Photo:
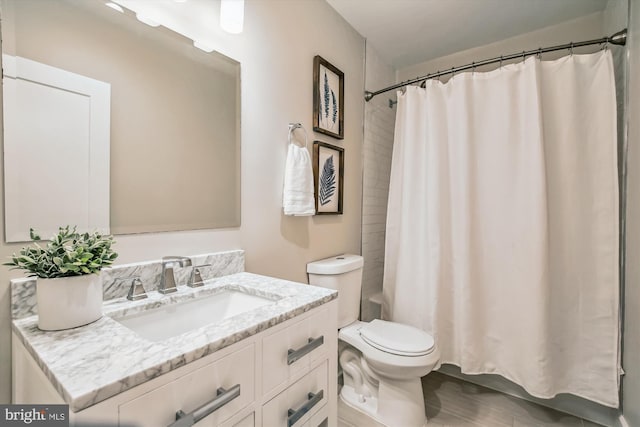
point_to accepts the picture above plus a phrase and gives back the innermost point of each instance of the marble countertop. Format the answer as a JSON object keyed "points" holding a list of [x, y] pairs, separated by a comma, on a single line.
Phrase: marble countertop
{"points": [[96, 361]]}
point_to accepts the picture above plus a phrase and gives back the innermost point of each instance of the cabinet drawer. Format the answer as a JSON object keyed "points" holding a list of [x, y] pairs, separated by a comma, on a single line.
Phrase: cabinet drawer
{"points": [[158, 407], [319, 419], [307, 340], [248, 421], [296, 405]]}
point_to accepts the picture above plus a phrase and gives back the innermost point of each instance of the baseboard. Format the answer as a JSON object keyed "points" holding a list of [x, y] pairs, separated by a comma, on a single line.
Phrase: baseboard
{"points": [[569, 404]]}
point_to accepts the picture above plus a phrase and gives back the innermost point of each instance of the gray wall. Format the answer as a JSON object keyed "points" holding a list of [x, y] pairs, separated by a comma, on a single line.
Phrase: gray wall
{"points": [[631, 356], [379, 123], [584, 28]]}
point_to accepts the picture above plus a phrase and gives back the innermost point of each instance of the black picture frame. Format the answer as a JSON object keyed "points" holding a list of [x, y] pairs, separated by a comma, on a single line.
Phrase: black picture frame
{"points": [[328, 98], [328, 178]]}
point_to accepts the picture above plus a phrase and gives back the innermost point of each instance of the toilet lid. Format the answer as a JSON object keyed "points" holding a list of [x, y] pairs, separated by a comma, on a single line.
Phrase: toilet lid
{"points": [[396, 338]]}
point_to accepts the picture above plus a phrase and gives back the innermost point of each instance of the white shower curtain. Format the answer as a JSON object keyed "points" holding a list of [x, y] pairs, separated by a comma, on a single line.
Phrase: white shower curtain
{"points": [[502, 228]]}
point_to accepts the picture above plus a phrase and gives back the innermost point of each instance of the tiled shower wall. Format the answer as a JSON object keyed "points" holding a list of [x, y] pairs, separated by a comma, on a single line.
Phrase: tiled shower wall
{"points": [[379, 125]]}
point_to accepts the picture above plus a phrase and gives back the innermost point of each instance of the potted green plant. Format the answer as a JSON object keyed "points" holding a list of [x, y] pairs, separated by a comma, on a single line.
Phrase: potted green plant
{"points": [[69, 288]]}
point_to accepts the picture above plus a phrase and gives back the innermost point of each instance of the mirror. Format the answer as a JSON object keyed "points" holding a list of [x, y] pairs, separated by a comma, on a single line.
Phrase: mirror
{"points": [[174, 117]]}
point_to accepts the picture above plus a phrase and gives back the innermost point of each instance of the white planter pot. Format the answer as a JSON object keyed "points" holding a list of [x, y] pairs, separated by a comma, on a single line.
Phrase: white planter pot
{"points": [[68, 302]]}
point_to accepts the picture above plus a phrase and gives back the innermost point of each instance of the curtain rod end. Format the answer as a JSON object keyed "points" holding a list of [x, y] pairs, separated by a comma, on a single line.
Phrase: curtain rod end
{"points": [[368, 95], [619, 38]]}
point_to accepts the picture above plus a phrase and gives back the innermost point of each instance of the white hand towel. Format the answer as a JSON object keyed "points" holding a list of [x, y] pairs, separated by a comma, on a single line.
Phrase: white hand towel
{"points": [[298, 197]]}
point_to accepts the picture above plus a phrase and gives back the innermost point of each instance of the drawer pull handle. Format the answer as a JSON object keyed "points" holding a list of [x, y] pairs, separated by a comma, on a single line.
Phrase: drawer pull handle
{"points": [[293, 355], [293, 416], [222, 398]]}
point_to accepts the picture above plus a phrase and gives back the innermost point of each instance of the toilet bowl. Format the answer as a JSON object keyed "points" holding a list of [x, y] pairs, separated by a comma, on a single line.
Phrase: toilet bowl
{"points": [[382, 362], [393, 375], [385, 358]]}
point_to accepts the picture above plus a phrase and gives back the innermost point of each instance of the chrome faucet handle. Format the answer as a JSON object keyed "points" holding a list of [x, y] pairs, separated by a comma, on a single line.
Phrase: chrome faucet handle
{"points": [[136, 291], [196, 280]]}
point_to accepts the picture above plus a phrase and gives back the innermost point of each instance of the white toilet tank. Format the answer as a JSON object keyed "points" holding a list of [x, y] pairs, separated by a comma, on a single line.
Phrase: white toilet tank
{"points": [[344, 274]]}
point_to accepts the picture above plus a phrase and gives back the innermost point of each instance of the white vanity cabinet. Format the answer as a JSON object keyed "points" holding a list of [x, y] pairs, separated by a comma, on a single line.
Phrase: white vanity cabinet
{"points": [[284, 376]]}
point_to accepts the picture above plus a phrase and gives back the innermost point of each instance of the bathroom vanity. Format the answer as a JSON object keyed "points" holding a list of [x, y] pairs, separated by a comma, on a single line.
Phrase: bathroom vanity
{"points": [[268, 358]]}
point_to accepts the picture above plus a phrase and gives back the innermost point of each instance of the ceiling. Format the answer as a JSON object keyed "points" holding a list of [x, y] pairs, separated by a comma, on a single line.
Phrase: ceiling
{"points": [[406, 32]]}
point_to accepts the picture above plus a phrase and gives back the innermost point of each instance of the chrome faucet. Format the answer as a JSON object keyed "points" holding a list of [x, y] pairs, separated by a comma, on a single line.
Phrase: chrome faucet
{"points": [[168, 279]]}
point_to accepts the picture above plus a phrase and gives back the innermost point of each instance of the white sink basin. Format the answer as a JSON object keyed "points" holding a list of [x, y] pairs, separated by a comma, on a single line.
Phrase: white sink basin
{"points": [[172, 320]]}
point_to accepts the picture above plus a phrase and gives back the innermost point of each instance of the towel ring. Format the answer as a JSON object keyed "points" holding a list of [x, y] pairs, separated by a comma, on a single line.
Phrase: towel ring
{"points": [[293, 127]]}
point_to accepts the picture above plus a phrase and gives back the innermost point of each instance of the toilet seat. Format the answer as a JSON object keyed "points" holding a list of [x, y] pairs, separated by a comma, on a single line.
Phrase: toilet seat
{"points": [[396, 338], [385, 363]]}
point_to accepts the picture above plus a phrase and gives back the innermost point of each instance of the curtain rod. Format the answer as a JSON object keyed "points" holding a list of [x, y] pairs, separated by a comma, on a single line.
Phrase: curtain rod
{"points": [[619, 38]]}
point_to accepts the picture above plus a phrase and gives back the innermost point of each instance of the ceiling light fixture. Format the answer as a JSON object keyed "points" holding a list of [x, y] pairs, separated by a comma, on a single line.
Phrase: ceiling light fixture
{"points": [[146, 20], [232, 16], [114, 6], [202, 46]]}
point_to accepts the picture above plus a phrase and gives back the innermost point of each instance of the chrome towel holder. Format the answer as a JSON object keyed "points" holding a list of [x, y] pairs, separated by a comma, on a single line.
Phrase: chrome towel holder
{"points": [[293, 127]]}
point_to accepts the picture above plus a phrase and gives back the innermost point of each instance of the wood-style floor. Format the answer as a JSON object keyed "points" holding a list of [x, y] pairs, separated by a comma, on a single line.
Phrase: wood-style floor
{"points": [[451, 402]]}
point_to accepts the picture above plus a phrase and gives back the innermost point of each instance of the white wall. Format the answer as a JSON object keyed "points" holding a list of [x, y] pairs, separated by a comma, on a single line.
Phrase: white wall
{"points": [[379, 123], [631, 356], [276, 50]]}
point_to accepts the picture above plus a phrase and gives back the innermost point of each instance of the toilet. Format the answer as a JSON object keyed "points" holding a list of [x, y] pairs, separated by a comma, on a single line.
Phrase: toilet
{"points": [[382, 361]]}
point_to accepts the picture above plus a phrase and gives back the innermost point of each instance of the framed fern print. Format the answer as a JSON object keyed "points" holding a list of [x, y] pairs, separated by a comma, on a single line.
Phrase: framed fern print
{"points": [[328, 98], [328, 173]]}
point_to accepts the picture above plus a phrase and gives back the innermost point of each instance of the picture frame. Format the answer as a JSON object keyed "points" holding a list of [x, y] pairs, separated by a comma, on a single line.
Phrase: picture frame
{"points": [[328, 98], [328, 178]]}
